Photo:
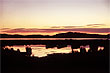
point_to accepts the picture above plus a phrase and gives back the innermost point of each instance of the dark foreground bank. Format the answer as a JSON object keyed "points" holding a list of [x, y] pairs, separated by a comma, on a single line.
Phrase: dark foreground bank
{"points": [[91, 62]]}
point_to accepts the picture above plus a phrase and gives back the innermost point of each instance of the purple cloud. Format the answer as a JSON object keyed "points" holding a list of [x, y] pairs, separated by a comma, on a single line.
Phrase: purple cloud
{"points": [[66, 26], [35, 30]]}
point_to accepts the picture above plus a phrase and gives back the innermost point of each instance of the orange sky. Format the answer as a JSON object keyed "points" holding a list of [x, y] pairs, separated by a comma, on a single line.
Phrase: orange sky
{"points": [[65, 15]]}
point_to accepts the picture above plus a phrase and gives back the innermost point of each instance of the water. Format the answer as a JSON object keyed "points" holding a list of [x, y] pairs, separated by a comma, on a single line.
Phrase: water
{"points": [[53, 38], [42, 51]]}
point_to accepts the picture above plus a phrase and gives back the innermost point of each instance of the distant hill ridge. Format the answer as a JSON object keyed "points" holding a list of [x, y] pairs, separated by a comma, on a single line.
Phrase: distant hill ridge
{"points": [[59, 35]]}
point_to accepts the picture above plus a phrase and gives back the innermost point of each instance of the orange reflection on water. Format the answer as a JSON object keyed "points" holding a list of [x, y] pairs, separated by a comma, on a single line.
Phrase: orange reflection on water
{"points": [[40, 50], [87, 48], [100, 48], [76, 50], [15, 47]]}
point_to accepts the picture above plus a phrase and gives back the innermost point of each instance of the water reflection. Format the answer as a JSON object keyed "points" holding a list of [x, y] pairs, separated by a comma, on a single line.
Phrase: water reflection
{"points": [[76, 50], [42, 51], [100, 48]]}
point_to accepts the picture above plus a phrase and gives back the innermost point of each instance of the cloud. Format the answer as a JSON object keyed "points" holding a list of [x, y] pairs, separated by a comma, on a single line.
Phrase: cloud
{"points": [[96, 25], [4, 28], [35, 30], [70, 27], [65, 27], [56, 27]]}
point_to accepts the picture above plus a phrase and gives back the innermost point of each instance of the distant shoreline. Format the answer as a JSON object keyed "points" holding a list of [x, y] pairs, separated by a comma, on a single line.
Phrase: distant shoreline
{"points": [[54, 39]]}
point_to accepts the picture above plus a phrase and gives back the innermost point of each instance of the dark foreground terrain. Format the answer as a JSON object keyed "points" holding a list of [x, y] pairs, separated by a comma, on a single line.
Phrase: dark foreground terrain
{"points": [[91, 62]]}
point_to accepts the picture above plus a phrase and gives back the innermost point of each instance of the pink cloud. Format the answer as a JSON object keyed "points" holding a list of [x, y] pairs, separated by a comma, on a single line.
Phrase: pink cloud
{"points": [[35, 30]]}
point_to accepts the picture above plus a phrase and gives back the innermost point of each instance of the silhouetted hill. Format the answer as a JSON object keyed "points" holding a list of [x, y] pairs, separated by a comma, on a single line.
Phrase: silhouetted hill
{"points": [[21, 36], [60, 35], [10, 36], [79, 35]]}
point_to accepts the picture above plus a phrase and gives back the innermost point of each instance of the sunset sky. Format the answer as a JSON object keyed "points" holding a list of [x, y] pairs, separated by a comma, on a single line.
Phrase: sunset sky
{"points": [[54, 16]]}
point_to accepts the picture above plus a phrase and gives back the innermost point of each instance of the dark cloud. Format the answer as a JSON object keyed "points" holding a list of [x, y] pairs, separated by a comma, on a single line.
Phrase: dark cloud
{"points": [[35, 30], [55, 27], [96, 25], [72, 26]]}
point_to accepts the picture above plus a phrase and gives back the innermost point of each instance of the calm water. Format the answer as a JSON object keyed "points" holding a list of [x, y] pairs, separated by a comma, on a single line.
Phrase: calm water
{"points": [[41, 51], [53, 38]]}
